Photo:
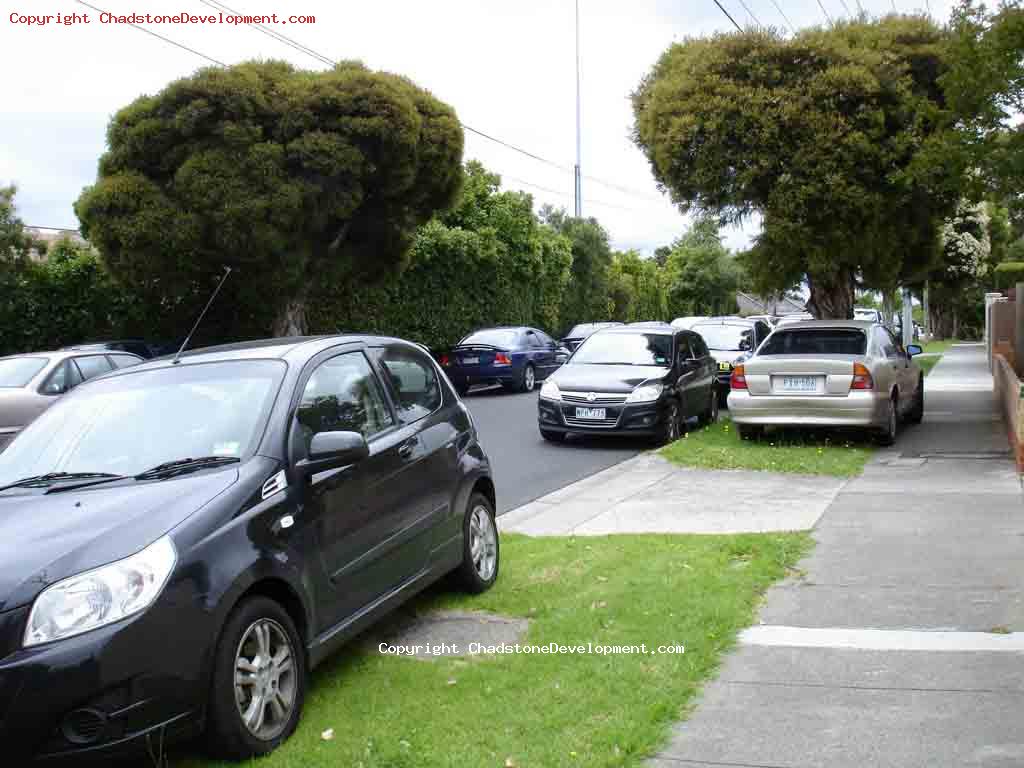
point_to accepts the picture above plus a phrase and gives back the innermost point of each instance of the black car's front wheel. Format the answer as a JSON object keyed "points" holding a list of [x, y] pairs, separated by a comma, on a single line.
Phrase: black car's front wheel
{"points": [[671, 429], [259, 681], [710, 415], [480, 547]]}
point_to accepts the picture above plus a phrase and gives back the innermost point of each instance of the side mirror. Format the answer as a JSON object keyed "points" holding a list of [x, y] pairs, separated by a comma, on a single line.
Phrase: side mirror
{"points": [[330, 450], [914, 349]]}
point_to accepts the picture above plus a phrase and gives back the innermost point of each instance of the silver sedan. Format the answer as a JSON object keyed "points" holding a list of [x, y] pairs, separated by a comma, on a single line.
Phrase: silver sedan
{"points": [[841, 373]]}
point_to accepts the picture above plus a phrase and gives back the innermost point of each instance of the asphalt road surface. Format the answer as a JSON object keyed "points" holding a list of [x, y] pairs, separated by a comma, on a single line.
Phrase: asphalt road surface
{"points": [[525, 466]]}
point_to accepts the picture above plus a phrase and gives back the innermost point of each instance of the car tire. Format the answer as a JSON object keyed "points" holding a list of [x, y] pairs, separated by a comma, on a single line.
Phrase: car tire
{"points": [[479, 568], [552, 437], [671, 430], [529, 378], [748, 432], [258, 628], [888, 434], [710, 416], [916, 415]]}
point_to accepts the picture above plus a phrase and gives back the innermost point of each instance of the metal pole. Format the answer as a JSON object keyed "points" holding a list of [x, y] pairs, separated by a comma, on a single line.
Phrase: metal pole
{"points": [[908, 318], [579, 160]]}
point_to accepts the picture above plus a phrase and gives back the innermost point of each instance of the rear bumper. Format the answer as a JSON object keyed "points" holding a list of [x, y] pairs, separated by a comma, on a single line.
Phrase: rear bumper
{"points": [[857, 409], [631, 419]]}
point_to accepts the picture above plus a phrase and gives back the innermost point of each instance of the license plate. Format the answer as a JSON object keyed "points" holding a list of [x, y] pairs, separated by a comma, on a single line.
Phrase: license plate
{"points": [[470, 360], [799, 383], [590, 413], [724, 366]]}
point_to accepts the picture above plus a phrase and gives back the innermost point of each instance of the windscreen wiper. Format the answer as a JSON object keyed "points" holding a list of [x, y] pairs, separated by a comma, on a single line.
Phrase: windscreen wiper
{"points": [[44, 481], [182, 466]]}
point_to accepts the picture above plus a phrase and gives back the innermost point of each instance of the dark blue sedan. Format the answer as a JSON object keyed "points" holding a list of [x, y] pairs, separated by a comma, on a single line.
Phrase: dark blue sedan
{"points": [[516, 358]]}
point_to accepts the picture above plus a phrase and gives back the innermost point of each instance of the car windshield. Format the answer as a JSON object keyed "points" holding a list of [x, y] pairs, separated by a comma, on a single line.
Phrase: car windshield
{"points": [[497, 337], [727, 338], [816, 341], [582, 330], [626, 349], [18, 371], [127, 424]]}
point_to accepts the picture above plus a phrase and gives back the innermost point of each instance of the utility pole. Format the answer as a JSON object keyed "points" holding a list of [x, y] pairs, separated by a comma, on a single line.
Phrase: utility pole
{"points": [[578, 173], [908, 318]]}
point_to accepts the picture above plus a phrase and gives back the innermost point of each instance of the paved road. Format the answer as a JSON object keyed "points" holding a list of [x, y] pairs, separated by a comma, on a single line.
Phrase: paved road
{"points": [[526, 467]]}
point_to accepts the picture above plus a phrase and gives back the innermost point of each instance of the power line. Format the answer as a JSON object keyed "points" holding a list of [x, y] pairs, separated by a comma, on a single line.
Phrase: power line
{"points": [[159, 37], [783, 14], [846, 7], [216, 5], [728, 15], [750, 13], [827, 16]]}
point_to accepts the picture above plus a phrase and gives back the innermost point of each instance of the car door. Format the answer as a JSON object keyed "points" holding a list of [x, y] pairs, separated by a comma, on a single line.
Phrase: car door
{"points": [[359, 512], [687, 375], [420, 403], [707, 369], [550, 346], [538, 353], [63, 378], [888, 371], [906, 375]]}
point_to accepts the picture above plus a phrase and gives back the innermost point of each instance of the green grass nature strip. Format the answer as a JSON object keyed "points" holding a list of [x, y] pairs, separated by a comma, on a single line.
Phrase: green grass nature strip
{"points": [[549, 711], [798, 451]]}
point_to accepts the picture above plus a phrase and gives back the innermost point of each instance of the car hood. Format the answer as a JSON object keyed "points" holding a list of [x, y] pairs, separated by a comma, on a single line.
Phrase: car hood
{"points": [[585, 377], [46, 538]]}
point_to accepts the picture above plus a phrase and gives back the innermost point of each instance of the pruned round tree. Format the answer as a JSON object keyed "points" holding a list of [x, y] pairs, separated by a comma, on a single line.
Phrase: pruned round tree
{"points": [[818, 134], [292, 177]]}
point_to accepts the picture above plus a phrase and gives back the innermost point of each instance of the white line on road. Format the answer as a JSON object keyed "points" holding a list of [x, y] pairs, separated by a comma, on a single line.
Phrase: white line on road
{"points": [[883, 639]]}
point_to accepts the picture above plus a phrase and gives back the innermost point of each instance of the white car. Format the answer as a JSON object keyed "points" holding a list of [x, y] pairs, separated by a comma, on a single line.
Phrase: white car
{"points": [[686, 323]]}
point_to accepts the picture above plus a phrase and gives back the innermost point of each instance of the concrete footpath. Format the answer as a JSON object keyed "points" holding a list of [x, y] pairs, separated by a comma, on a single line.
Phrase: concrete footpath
{"points": [[900, 643]]}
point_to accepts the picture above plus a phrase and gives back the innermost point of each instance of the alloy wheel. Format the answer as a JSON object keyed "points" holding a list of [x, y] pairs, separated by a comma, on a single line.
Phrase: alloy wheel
{"points": [[265, 679], [713, 413], [529, 379], [483, 543]]}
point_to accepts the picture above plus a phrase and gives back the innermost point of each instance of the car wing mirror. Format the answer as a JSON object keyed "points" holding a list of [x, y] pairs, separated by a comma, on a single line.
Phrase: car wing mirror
{"points": [[331, 450], [914, 349]]}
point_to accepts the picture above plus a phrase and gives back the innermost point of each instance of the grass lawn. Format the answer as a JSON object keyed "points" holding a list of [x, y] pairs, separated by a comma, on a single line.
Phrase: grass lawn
{"points": [[939, 346], [549, 710], [810, 453], [926, 363]]}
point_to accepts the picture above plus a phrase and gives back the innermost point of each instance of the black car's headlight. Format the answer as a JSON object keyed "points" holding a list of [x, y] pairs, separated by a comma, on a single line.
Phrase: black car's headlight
{"points": [[102, 596], [550, 391], [646, 393]]}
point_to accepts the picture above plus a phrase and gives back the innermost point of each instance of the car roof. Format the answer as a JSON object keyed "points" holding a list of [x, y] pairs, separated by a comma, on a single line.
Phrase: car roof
{"points": [[805, 325], [63, 354], [664, 329], [725, 321]]}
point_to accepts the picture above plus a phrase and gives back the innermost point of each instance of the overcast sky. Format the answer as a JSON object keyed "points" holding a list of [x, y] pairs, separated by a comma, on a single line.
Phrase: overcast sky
{"points": [[507, 68]]}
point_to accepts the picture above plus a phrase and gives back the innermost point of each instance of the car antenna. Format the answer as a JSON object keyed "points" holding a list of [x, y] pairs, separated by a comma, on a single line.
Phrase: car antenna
{"points": [[227, 271]]}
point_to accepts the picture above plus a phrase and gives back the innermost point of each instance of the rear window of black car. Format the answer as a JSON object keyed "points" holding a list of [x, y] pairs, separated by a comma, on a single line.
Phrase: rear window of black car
{"points": [[817, 341], [498, 337]]}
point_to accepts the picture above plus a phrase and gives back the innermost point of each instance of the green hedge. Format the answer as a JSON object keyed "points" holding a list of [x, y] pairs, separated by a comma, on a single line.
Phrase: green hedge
{"points": [[1008, 274]]}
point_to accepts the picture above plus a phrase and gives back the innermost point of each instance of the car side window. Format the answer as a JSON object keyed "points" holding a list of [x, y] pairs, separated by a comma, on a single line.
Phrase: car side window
{"points": [[343, 395], [683, 351], [414, 382], [545, 340], [762, 333], [64, 378], [887, 343], [700, 349], [93, 366], [123, 361], [534, 340]]}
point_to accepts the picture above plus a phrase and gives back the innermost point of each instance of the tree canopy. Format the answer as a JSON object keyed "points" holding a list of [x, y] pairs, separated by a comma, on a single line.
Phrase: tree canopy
{"points": [[294, 177], [587, 296], [702, 276], [818, 134]]}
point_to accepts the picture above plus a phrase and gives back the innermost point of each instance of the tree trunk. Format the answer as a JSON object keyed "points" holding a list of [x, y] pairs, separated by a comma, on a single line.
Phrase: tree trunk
{"points": [[831, 299], [888, 308], [956, 324], [291, 318]]}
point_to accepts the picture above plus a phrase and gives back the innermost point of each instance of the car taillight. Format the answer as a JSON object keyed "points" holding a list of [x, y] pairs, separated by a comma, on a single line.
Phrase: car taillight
{"points": [[738, 380], [502, 359], [861, 377], [445, 360]]}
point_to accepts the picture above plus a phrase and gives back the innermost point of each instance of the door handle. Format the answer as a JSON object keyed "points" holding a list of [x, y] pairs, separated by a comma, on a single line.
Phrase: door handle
{"points": [[406, 449]]}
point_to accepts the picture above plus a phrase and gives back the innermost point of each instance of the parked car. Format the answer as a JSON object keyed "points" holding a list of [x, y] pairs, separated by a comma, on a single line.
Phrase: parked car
{"points": [[180, 544], [772, 320], [845, 373], [731, 341], [31, 383], [517, 358], [796, 317], [580, 333], [140, 347], [866, 313], [686, 323], [631, 380]]}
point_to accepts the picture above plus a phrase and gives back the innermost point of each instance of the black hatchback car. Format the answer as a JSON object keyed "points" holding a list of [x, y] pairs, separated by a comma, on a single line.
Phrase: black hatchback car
{"points": [[630, 380], [182, 541]]}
